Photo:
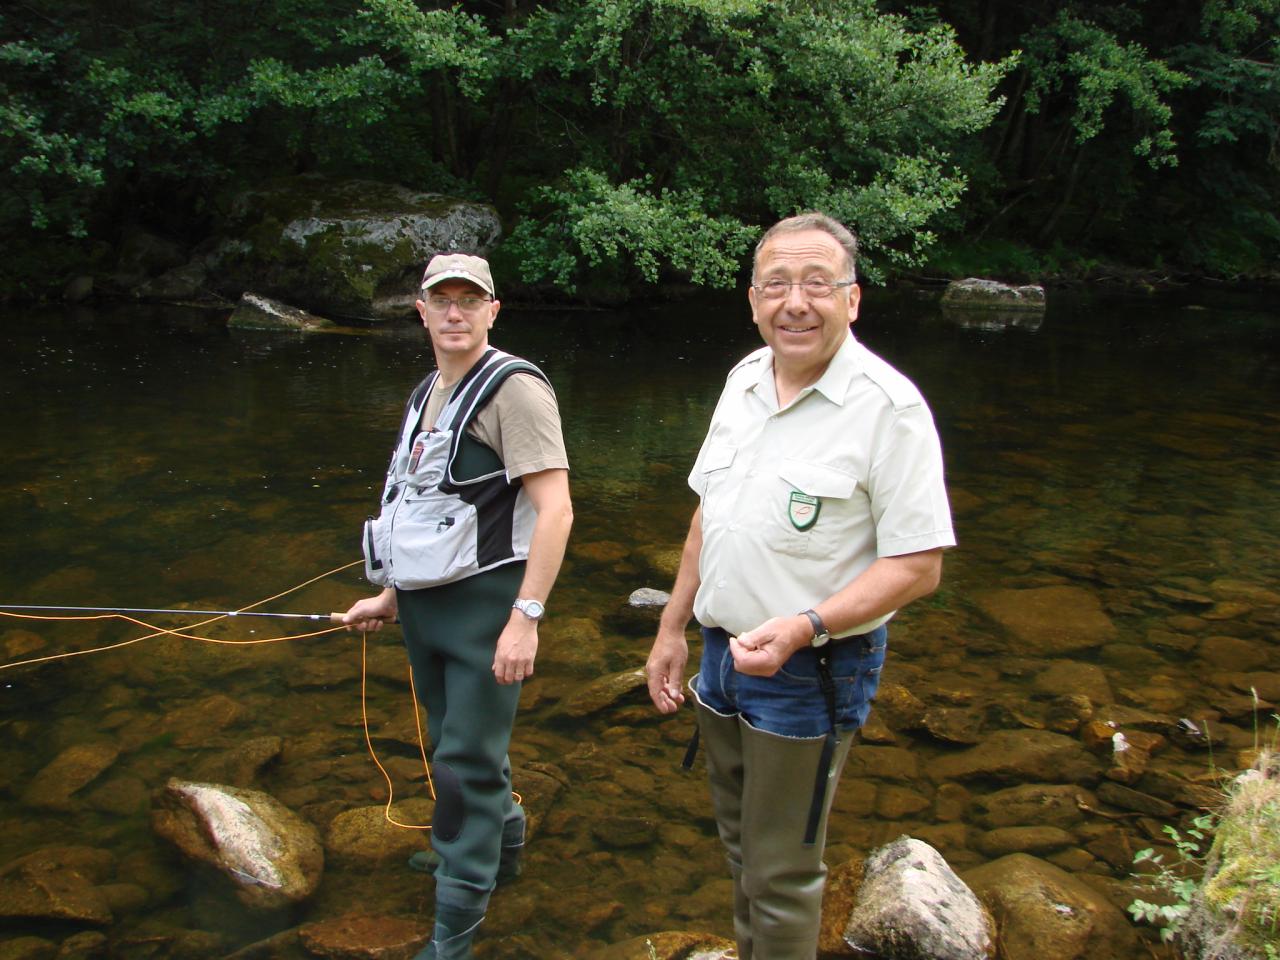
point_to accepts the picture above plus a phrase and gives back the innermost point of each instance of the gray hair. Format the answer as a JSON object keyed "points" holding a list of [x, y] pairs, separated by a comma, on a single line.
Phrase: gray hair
{"points": [[812, 220]]}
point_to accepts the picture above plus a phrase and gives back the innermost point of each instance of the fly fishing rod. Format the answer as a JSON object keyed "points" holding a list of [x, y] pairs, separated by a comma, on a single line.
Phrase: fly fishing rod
{"points": [[329, 617]]}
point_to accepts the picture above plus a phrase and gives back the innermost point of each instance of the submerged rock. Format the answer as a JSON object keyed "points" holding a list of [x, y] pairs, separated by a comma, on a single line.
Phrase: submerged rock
{"points": [[669, 945], [1047, 914], [365, 938], [1021, 755], [1048, 621], [605, 692], [57, 883], [270, 854], [74, 768], [912, 906], [364, 836]]}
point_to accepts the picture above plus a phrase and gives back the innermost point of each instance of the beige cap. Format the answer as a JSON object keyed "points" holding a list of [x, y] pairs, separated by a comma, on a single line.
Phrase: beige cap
{"points": [[458, 266]]}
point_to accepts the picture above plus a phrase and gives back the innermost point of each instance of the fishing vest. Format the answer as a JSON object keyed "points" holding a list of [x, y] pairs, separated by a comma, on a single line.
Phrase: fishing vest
{"points": [[448, 509]]}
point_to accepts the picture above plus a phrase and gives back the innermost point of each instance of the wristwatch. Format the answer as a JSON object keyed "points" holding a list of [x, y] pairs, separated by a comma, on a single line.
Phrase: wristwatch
{"points": [[820, 632], [533, 609]]}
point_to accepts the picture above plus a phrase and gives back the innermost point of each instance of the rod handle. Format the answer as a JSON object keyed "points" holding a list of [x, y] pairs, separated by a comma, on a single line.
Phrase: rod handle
{"points": [[337, 618]]}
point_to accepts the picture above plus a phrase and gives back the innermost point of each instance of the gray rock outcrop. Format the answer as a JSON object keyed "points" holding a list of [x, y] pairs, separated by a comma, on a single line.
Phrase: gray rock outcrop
{"points": [[255, 312], [342, 248]]}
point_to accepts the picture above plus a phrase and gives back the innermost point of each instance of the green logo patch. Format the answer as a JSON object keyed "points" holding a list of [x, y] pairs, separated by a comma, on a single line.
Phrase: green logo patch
{"points": [[803, 510]]}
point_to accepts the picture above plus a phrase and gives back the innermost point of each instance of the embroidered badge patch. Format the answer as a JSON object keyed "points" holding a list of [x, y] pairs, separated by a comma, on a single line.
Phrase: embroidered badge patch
{"points": [[803, 510]]}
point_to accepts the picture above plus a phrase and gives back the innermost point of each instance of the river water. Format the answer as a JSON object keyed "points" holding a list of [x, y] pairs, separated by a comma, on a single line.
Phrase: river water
{"points": [[1116, 460]]}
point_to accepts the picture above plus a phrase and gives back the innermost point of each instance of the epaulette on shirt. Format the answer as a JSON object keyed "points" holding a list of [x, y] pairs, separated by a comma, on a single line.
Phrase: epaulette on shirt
{"points": [[750, 360], [902, 393]]}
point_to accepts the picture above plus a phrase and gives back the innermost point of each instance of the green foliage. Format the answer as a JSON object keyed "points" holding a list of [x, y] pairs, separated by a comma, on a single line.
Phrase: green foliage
{"points": [[655, 137], [1098, 71], [644, 139], [1178, 882]]}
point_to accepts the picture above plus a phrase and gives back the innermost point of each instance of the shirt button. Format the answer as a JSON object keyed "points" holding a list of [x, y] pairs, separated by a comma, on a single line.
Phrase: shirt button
{"points": [[720, 584], [733, 526]]}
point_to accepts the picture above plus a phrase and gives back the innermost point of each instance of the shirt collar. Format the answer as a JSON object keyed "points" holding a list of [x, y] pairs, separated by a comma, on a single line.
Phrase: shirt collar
{"points": [[833, 384]]}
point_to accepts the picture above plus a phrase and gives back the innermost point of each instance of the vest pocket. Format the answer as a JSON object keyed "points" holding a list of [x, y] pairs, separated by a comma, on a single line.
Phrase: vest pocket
{"points": [[376, 545], [435, 540]]}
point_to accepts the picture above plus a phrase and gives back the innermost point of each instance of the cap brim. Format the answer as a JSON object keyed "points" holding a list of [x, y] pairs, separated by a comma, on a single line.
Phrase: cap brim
{"points": [[456, 274]]}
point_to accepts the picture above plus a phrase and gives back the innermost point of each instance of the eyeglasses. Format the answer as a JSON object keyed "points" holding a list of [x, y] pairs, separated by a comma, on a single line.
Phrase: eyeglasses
{"points": [[815, 289], [465, 304]]}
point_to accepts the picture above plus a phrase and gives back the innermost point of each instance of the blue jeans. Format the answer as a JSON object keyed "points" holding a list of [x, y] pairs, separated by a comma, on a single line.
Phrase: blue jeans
{"points": [[790, 703]]}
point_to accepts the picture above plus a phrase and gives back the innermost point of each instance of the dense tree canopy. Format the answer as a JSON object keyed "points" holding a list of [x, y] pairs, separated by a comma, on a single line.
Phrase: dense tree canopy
{"points": [[637, 140]]}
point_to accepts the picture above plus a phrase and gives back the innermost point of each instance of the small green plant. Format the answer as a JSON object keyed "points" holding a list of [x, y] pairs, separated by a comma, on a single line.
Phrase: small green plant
{"points": [[1178, 881]]}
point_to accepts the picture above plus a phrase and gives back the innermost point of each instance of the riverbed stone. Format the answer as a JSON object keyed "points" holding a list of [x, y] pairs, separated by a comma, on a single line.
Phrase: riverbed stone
{"points": [[1049, 621], [1127, 798], [1047, 914], [365, 937], [240, 765], [662, 561], [1031, 804], [364, 837], [1232, 653], [1038, 840], [19, 644], [71, 770], [647, 598], [912, 906], [954, 724], [195, 723], [271, 856], [604, 693], [669, 945], [28, 948], [85, 945], [1020, 755], [899, 707], [1065, 677], [57, 883]]}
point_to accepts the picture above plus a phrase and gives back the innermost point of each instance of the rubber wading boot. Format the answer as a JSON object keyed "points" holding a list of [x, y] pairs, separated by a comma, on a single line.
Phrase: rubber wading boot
{"points": [[722, 743], [509, 866], [782, 877], [453, 934]]}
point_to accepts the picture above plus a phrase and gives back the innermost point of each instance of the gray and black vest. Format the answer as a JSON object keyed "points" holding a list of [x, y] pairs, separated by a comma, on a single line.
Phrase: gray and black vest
{"points": [[448, 509]]}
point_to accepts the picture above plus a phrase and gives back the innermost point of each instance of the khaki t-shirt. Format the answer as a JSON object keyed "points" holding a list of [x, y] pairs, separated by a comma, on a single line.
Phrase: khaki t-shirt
{"points": [[521, 423]]}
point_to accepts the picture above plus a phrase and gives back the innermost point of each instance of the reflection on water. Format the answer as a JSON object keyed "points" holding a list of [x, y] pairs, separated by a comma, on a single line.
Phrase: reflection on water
{"points": [[1116, 499]]}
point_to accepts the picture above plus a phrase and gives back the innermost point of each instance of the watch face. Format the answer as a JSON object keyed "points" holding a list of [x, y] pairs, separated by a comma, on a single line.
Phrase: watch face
{"points": [[530, 608]]}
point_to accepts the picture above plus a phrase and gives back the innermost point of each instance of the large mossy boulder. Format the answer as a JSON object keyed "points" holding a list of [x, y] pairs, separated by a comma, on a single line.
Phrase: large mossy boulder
{"points": [[340, 248]]}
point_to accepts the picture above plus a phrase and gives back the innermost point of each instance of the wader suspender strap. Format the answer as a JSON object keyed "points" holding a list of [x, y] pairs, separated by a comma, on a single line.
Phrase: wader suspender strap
{"points": [[692, 750], [828, 685]]}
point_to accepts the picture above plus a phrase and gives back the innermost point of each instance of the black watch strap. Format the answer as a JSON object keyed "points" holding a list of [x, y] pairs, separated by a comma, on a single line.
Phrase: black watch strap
{"points": [[820, 632]]}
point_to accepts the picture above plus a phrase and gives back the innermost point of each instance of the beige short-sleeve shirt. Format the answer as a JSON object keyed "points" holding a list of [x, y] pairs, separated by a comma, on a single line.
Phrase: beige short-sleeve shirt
{"points": [[798, 501], [521, 423]]}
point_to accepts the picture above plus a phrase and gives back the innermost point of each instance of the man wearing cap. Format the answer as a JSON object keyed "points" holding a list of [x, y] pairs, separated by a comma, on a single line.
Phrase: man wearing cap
{"points": [[474, 519], [822, 512]]}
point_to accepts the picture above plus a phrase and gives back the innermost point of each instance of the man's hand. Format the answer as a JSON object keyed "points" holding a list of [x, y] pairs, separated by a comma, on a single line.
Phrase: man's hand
{"points": [[370, 613], [665, 670], [517, 649], [762, 652]]}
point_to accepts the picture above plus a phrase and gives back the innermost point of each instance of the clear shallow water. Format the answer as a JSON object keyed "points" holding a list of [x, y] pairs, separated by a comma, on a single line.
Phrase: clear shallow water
{"points": [[1124, 448]]}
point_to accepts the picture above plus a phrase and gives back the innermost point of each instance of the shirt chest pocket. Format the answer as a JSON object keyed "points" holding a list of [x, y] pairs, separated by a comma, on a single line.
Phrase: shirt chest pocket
{"points": [[809, 507], [715, 479]]}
